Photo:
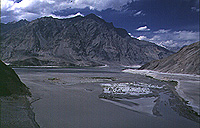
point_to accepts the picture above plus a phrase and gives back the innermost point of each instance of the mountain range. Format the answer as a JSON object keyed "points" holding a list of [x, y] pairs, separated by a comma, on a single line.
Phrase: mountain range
{"points": [[77, 41], [186, 60]]}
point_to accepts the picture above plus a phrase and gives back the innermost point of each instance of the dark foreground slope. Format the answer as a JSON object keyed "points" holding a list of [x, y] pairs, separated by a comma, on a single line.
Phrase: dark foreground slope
{"points": [[184, 61], [10, 82], [78, 41]]}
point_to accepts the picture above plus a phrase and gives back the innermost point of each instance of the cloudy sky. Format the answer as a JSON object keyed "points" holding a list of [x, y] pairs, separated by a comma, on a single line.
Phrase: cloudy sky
{"points": [[165, 22]]}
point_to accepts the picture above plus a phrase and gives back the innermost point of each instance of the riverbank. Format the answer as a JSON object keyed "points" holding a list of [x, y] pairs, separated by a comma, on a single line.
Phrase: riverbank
{"points": [[72, 98], [187, 85], [16, 112]]}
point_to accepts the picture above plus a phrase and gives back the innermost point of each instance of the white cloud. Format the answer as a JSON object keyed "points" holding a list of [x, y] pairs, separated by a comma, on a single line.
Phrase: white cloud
{"points": [[69, 16], [169, 43], [6, 4], [186, 35], [142, 38], [23, 4], [156, 38], [51, 1], [145, 28], [161, 44], [100, 4], [11, 10], [138, 13], [99, 16], [74, 15], [177, 38], [172, 39], [195, 9], [27, 9], [162, 31], [28, 16], [91, 8], [131, 35]]}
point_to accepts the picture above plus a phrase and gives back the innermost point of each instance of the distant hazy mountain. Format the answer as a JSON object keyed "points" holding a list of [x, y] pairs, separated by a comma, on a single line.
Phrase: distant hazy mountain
{"points": [[186, 60], [174, 49], [10, 82], [78, 41]]}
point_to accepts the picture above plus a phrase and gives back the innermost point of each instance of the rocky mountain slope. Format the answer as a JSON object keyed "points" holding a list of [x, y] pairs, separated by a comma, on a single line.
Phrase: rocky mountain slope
{"points": [[78, 41], [12, 25], [10, 82], [186, 60]]}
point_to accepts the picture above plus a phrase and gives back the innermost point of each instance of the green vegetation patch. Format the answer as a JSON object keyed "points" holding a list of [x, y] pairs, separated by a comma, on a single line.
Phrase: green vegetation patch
{"points": [[53, 79], [149, 77], [172, 82]]}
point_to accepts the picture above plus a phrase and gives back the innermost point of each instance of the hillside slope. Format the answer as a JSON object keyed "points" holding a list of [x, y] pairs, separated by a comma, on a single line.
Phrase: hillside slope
{"points": [[78, 41], [186, 60], [10, 82]]}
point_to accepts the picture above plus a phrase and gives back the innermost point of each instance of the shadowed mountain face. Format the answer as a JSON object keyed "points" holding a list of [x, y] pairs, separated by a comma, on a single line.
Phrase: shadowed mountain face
{"points": [[185, 60], [12, 25], [78, 41], [10, 82]]}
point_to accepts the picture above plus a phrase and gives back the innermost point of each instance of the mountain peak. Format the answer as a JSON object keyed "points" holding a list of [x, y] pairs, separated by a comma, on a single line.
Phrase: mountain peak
{"points": [[12, 22], [78, 41], [94, 17], [23, 21], [91, 15]]}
